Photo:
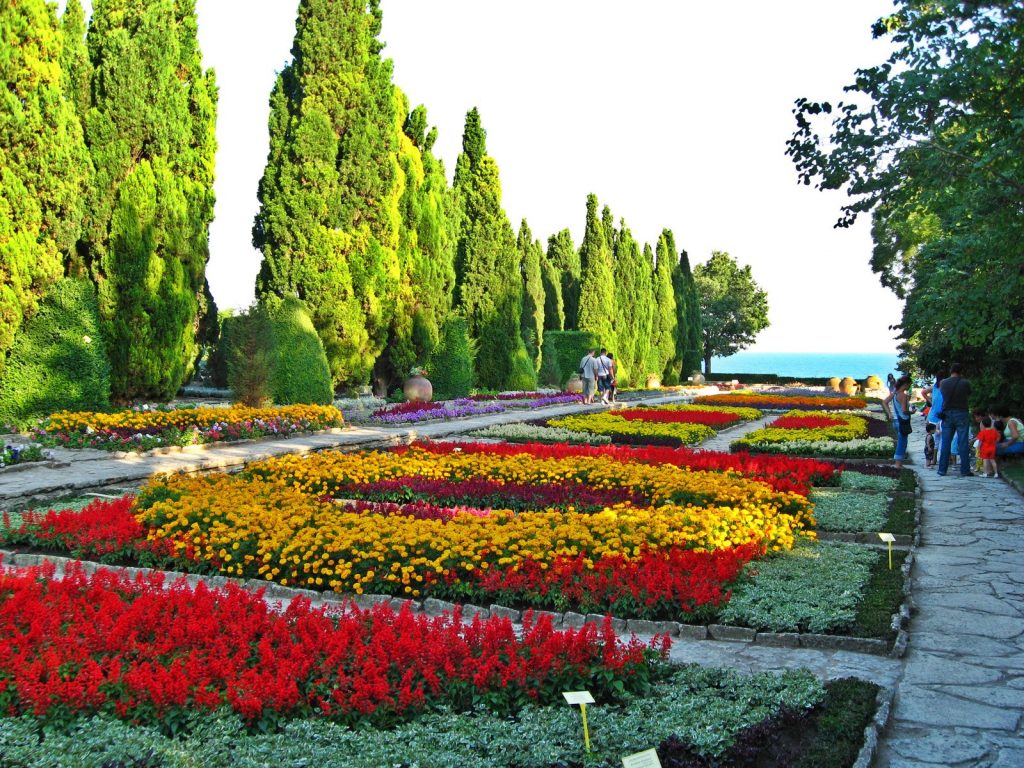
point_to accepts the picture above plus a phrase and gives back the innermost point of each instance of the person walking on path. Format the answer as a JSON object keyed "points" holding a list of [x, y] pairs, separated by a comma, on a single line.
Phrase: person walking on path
{"points": [[935, 409], [956, 393], [604, 375], [901, 418], [588, 372]]}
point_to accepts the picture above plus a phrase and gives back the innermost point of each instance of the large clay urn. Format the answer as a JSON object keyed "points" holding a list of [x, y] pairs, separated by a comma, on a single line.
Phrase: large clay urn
{"points": [[418, 389], [653, 381], [574, 385], [833, 383], [848, 386], [872, 382]]}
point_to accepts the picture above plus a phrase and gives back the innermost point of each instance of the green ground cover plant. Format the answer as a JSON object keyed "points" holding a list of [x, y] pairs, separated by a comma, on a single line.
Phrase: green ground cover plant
{"points": [[850, 511], [534, 433], [705, 716], [859, 481]]}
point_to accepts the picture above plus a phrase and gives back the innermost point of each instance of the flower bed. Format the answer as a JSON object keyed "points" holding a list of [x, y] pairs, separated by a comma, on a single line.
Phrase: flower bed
{"points": [[848, 511], [20, 454], [781, 473], [783, 402], [534, 433], [625, 431], [409, 413], [140, 652], [816, 434], [530, 399], [147, 429], [710, 416]]}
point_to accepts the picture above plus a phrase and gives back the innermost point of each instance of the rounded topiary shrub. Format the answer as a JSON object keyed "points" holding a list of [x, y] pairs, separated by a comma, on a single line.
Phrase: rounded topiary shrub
{"points": [[298, 366], [523, 376], [58, 360], [451, 366]]}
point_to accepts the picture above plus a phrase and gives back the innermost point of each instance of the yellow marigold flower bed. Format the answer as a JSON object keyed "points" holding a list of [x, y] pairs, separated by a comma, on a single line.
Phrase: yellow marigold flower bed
{"points": [[854, 428], [610, 424], [187, 418], [747, 414], [276, 529]]}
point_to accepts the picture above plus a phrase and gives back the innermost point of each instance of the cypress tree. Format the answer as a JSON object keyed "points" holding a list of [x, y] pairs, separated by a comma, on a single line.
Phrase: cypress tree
{"points": [[43, 164], [551, 279], [422, 300], [531, 254], [488, 272], [329, 198], [150, 131], [691, 336], [634, 304], [663, 336], [565, 260], [597, 291], [76, 69]]}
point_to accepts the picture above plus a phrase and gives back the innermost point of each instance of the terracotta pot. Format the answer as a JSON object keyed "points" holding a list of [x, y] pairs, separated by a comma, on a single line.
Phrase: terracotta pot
{"points": [[574, 385], [653, 381], [872, 382], [418, 389], [848, 386], [833, 383]]}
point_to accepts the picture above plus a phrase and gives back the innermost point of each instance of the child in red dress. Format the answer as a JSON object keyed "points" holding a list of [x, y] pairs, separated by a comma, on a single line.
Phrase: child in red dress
{"points": [[987, 439]]}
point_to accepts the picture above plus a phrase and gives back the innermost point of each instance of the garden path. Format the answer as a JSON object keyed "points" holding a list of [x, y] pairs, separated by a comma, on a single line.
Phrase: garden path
{"points": [[721, 440], [92, 469], [961, 696]]}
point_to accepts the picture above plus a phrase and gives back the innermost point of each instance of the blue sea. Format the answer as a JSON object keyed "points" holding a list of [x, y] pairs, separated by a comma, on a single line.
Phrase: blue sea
{"points": [[797, 364]]}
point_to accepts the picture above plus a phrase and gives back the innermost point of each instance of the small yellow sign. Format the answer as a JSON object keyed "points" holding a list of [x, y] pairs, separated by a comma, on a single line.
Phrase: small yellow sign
{"points": [[646, 759], [582, 698], [889, 539]]}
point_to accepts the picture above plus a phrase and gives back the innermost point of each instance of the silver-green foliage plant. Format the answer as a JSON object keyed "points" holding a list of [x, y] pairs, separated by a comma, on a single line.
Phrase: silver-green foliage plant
{"points": [[858, 481], [812, 588], [836, 510], [529, 433]]}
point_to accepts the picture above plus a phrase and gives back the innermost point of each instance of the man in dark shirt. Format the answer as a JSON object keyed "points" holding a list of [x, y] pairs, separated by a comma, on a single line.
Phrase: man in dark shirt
{"points": [[956, 392]]}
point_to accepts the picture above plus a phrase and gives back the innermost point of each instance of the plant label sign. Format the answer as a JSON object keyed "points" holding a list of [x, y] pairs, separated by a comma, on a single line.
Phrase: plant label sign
{"points": [[646, 759], [578, 697], [888, 538]]}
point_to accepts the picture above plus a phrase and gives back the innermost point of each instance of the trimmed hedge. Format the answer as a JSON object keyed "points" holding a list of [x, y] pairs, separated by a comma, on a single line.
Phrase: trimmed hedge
{"points": [[451, 366], [58, 360], [298, 370], [561, 355]]}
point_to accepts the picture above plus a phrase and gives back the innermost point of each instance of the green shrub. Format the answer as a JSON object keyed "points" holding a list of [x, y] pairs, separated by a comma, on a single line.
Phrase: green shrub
{"points": [[58, 360], [523, 376], [561, 355], [451, 366], [298, 369], [245, 340]]}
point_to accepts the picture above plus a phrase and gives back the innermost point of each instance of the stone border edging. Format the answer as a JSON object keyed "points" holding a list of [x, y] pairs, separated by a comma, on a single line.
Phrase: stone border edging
{"points": [[567, 620], [873, 731], [45, 463], [164, 450]]}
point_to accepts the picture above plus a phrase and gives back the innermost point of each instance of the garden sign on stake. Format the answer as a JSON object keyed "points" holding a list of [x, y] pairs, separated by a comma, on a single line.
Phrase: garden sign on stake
{"points": [[889, 539], [582, 698]]}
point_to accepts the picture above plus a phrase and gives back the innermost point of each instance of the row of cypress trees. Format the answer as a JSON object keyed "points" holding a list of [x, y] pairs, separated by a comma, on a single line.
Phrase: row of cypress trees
{"points": [[356, 219], [106, 175]]}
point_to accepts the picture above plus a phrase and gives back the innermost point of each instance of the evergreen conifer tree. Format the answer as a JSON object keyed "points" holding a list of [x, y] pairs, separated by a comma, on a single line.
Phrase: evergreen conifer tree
{"points": [[531, 254], [150, 132], [691, 332], [43, 164], [597, 291], [663, 336], [565, 260], [76, 69], [634, 313], [489, 282], [329, 213], [551, 279]]}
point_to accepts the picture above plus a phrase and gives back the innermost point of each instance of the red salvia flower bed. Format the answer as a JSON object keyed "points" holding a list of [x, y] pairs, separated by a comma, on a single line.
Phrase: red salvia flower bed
{"points": [[141, 652], [806, 422], [653, 585], [709, 418], [783, 473]]}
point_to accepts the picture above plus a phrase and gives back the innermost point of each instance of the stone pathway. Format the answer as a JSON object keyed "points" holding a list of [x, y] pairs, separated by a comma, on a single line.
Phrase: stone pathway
{"points": [[961, 696]]}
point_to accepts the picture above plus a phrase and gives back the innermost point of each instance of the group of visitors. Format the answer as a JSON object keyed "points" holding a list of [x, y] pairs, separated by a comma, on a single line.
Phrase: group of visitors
{"points": [[948, 419], [598, 373]]}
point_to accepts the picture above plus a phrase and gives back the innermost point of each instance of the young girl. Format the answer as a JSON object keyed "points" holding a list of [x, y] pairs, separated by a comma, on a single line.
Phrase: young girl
{"points": [[930, 454], [987, 440]]}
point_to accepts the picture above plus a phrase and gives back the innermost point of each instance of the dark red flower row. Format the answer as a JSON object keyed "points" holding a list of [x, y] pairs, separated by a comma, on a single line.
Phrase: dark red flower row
{"points": [[139, 651], [806, 422], [709, 418], [783, 473]]}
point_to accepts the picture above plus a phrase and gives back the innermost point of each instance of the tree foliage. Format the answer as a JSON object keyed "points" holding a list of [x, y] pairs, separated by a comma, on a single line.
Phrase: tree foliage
{"points": [[451, 365], [489, 283], [688, 348], [597, 288], [43, 164], [531, 254], [565, 261], [329, 198], [554, 307], [734, 308], [666, 321], [930, 145], [633, 318], [150, 132]]}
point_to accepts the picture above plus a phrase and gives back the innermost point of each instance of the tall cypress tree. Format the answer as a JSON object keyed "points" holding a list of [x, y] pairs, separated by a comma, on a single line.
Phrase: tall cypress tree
{"points": [[634, 304], [551, 279], [488, 274], [597, 291], [422, 301], [565, 260], [43, 164], [150, 131], [329, 198], [663, 336], [531, 254], [690, 333]]}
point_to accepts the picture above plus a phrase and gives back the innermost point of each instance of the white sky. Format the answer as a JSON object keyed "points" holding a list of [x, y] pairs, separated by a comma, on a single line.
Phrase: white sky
{"points": [[675, 113]]}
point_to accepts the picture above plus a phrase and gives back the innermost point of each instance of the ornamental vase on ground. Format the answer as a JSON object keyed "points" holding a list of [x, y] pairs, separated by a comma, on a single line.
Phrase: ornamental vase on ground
{"points": [[418, 389]]}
